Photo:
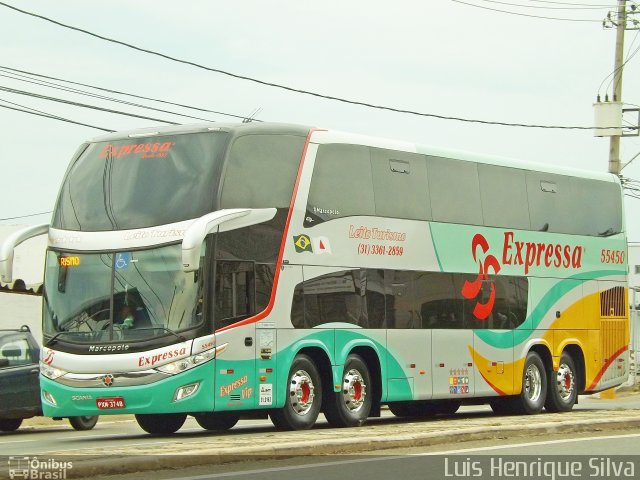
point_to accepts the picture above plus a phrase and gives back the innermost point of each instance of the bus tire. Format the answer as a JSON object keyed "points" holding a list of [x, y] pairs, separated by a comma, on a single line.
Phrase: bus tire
{"points": [[10, 424], [217, 421], [448, 407], [303, 397], [161, 424], [534, 386], [562, 390], [83, 423], [350, 407]]}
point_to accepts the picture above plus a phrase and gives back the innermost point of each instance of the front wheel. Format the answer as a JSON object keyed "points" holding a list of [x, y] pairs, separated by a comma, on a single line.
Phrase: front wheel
{"points": [[351, 406], [10, 424], [83, 423], [217, 421], [161, 424], [303, 397], [562, 391]]}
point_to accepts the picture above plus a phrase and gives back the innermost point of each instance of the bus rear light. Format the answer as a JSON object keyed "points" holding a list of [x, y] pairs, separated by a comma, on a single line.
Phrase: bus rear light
{"points": [[185, 391]]}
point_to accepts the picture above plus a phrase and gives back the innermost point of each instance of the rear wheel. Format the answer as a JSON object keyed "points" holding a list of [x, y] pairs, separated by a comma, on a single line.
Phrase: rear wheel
{"points": [[10, 424], [534, 386], [304, 397], [350, 407], [562, 390], [83, 423], [161, 424], [217, 420]]}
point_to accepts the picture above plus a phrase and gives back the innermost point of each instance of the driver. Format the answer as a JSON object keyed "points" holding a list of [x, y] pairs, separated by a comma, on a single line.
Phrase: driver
{"points": [[127, 315]]}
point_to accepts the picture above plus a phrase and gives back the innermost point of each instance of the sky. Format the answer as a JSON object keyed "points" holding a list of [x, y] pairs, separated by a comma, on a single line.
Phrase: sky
{"points": [[451, 59]]}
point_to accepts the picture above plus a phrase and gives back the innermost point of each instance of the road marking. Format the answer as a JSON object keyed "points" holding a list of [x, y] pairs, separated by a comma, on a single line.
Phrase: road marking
{"points": [[396, 457], [528, 444]]}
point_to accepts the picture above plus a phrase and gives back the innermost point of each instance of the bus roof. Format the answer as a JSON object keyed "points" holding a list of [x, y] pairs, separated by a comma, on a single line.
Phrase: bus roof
{"points": [[333, 136]]}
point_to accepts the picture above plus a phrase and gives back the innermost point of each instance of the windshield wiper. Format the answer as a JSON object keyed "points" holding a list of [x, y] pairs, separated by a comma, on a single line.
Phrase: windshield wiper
{"points": [[52, 340], [167, 330], [607, 233]]}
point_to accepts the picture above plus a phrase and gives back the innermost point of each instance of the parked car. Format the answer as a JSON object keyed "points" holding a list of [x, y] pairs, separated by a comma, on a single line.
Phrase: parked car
{"points": [[19, 382]]}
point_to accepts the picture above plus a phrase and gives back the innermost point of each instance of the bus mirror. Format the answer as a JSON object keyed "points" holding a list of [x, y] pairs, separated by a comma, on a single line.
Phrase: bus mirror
{"points": [[221, 221], [8, 247]]}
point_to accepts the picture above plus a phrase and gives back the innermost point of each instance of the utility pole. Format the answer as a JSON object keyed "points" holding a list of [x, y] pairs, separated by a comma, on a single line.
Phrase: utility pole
{"points": [[621, 23]]}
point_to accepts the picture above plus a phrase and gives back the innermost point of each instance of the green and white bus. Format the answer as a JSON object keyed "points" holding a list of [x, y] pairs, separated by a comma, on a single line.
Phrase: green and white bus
{"points": [[223, 271]]}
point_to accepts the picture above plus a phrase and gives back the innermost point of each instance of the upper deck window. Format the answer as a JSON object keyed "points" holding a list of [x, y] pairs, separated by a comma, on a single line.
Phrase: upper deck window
{"points": [[140, 182]]}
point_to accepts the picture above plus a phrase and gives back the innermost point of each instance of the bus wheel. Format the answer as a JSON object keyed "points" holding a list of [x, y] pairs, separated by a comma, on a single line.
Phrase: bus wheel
{"points": [[414, 409], [562, 391], [217, 420], [446, 408], [83, 423], [10, 424], [534, 386], [304, 397], [161, 424], [351, 406]]}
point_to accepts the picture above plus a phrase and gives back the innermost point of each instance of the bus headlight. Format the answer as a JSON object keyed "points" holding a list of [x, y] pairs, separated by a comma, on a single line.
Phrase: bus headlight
{"points": [[186, 363], [51, 372]]}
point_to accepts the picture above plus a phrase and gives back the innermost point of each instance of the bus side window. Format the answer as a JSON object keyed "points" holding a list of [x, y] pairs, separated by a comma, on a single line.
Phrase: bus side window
{"points": [[234, 297]]}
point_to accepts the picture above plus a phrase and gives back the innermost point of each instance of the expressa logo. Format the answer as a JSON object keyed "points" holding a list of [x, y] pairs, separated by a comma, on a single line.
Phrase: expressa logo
{"points": [[514, 252], [471, 290]]}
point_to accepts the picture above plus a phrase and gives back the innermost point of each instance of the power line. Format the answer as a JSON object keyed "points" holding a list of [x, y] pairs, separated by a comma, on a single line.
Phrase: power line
{"points": [[526, 14], [200, 109], [94, 95], [574, 7], [292, 89], [82, 105], [54, 117], [25, 216]]}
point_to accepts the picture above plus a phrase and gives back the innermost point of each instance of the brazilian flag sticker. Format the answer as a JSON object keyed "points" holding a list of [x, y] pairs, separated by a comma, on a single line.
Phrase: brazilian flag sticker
{"points": [[302, 243]]}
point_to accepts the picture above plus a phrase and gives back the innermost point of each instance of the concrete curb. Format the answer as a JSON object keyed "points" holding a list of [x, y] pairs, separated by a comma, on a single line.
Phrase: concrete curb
{"points": [[349, 444]]}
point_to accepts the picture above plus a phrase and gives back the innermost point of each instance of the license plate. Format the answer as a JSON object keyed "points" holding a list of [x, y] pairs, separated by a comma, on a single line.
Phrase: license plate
{"points": [[110, 403]]}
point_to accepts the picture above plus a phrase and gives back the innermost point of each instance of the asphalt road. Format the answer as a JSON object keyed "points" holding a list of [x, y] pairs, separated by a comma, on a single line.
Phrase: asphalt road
{"points": [[602, 456]]}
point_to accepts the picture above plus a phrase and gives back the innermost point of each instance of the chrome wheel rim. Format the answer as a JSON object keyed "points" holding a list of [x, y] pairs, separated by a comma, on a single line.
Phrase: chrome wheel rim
{"points": [[533, 383], [565, 382], [354, 390], [301, 392]]}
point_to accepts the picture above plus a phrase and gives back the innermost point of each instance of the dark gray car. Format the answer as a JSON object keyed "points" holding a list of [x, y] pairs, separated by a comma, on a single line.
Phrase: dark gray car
{"points": [[20, 384]]}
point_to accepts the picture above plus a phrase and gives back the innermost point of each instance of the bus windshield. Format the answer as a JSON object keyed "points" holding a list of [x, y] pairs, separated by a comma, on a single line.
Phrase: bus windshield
{"points": [[141, 182], [120, 296]]}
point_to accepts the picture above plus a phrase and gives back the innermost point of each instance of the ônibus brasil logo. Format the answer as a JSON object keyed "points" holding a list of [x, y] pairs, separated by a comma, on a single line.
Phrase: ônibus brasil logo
{"points": [[514, 252]]}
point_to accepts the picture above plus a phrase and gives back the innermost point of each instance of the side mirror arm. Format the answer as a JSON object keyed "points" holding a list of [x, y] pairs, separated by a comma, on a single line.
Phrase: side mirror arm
{"points": [[221, 221], [7, 249]]}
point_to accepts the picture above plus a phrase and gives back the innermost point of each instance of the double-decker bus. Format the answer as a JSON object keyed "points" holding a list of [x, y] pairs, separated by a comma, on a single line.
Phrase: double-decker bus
{"points": [[260, 269]]}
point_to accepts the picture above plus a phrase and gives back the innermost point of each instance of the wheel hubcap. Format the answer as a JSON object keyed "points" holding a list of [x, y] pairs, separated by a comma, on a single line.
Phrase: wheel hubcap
{"points": [[301, 392], [354, 390], [565, 382], [533, 383]]}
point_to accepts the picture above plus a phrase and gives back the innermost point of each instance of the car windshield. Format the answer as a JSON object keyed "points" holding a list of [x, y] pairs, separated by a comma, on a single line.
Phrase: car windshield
{"points": [[119, 296]]}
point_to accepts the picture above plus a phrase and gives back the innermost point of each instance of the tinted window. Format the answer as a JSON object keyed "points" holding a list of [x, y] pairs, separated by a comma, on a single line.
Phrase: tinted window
{"points": [[261, 171], [142, 182], [422, 300], [606, 216], [341, 185], [351, 296], [552, 206], [504, 197], [400, 184], [510, 296], [14, 351], [454, 191]]}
